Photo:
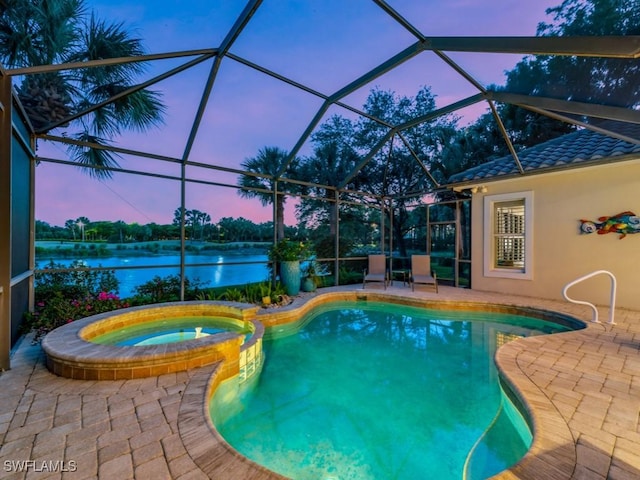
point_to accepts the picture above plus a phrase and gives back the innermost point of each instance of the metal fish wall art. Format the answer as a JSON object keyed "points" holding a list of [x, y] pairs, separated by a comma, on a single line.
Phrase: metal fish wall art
{"points": [[623, 224]]}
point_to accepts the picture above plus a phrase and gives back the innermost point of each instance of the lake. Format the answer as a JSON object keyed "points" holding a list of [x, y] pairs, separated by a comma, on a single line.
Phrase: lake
{"points": [[213, 276]]}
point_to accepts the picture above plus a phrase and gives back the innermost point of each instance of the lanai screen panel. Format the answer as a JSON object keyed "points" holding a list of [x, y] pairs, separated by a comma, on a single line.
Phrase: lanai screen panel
{"points": [[271, 74]]}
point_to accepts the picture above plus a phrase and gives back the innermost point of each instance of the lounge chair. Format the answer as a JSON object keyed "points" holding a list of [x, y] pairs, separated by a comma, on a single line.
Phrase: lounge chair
{"points": [[421, 271], [377, 270]]}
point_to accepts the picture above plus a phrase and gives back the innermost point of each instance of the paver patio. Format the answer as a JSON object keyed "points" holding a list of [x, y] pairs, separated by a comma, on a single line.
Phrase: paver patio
{"points": [[582, 388]]}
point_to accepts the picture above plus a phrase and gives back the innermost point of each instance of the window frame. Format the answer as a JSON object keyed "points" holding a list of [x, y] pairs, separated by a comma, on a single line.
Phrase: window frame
{"points": [[490, 268]]}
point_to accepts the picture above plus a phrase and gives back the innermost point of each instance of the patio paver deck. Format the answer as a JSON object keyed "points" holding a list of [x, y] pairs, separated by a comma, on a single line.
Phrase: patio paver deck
{"points": [[587, 382]]}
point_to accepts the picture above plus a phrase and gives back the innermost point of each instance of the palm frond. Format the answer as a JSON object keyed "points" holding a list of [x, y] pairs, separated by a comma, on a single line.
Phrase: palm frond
{"points": [[269, 161], [40, 32], [140, 110], [100, 122], [102, 40], [53, 29], [96, 162]]}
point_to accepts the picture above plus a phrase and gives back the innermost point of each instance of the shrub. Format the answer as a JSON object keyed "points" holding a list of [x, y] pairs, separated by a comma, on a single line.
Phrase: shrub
{"points": [[250, 293], [255, 292], [349, 277], [233, 295], [209, 294], [288, 250], [73, 283], [58, 310], [166, 289], [63, 295]]}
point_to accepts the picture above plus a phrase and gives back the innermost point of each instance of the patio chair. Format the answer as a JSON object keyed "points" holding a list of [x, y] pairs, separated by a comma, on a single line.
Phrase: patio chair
{"points": [[377, 270], [421, 271]]}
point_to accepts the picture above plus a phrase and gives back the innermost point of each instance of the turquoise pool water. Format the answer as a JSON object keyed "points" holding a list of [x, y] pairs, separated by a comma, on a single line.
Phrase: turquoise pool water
{"points": [[168, 330], [374, 391]]}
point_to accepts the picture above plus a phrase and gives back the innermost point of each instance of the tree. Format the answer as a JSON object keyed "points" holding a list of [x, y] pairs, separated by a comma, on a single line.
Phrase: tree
{"points": [[194, 220], [606, 81], [104, 230], [44, 32], [72, 226], [43, 230], [240, 230], [200, 220], [83, 223], [468, 147], [598, 80], [394, 172], [334, 157], [267, 164], [119, 232]]}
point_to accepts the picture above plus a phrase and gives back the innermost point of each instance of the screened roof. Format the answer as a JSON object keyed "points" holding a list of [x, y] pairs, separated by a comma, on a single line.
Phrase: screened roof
{"points": [[237, 76]]}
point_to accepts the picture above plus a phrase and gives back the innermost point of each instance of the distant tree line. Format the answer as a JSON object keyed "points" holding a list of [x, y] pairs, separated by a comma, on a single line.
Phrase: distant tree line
{"points": [[198, 227]]}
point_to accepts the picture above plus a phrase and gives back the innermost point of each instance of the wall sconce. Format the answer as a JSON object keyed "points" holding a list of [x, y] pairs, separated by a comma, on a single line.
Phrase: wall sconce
{"points": [[481, 189]]}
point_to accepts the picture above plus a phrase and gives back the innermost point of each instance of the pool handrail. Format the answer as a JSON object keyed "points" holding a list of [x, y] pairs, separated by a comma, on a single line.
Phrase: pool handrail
{"points": [[612, 301]]}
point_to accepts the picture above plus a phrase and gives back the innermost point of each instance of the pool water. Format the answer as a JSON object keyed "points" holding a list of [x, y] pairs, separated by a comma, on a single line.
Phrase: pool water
{"points": [[168, 330], [372, 391]]}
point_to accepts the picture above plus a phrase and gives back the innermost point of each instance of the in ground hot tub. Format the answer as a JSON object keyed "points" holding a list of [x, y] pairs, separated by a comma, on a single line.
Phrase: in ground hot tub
{"points": [[76, 351], [171, 330]]}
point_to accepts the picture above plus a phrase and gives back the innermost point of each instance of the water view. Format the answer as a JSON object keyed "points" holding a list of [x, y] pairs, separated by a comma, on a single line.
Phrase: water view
{"points": [[242, 271]]}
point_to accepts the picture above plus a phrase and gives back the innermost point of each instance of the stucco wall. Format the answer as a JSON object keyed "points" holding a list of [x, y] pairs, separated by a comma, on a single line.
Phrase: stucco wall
{"points": [[561, 252]]}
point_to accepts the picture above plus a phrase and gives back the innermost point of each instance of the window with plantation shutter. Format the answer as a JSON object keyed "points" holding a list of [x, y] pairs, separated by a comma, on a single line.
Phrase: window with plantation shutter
{"points": [[508, 235], [508, 231]]}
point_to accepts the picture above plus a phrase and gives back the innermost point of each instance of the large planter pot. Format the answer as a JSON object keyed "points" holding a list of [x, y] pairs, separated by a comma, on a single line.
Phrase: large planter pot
{"points": [[290, 276], [308, 284]]}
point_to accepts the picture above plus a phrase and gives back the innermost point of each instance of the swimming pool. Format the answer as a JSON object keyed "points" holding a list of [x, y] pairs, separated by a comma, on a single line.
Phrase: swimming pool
{"points": [[369, 390]]}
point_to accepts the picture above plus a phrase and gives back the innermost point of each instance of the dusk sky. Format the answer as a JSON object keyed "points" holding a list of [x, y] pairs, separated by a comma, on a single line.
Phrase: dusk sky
{"points": [[324, 44]]}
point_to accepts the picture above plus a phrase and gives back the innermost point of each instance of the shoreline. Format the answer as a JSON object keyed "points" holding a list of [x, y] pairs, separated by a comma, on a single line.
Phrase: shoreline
{"points": [[51, 250]]}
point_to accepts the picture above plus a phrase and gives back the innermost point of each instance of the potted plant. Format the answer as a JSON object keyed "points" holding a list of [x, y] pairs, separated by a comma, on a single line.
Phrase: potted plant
{"points": [[311, 276], [287, 254]]}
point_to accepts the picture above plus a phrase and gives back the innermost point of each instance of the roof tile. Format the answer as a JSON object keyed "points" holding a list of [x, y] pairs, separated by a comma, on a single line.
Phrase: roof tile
{"points": [[583, 147]]}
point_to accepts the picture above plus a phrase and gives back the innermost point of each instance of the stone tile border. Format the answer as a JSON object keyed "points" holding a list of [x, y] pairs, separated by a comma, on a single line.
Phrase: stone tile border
{"points": [[70, 354], [206, 447], [552, 454]]}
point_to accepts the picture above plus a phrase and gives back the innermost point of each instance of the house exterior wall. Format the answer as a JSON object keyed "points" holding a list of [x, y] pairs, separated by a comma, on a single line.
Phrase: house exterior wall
{"points": [[561, 253]]}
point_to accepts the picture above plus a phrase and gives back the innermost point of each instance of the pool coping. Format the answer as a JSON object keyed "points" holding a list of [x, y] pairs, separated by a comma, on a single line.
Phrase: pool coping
{"points": [[129, 428], [552, 454]]}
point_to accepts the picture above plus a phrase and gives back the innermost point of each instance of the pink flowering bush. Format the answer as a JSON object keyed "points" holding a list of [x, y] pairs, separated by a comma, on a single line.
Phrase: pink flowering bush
{"points": [[56, 311], [66, 293]]}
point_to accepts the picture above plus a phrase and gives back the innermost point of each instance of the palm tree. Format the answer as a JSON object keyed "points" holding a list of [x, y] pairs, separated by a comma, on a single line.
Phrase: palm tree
{"points": [[44, 32], [83, 224], [71, 225], [268, 162], [204, 219], [334, 158], [330, 163]]}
